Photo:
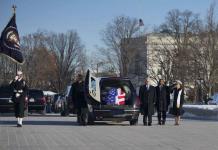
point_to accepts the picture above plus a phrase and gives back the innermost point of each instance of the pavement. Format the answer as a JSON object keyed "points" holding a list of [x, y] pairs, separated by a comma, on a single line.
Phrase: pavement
{"points": [[62, 133]]}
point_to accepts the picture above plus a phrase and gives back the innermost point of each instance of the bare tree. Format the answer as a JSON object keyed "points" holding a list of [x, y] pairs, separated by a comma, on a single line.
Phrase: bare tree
{"points": [[207, 51], [7, 69], [116, 36], [102, 65], [173, 51], [66, 49], [38, 67]]}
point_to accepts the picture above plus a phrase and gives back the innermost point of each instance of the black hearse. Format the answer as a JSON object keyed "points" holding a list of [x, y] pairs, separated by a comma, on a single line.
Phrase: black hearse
{"points": [[110, 99]]}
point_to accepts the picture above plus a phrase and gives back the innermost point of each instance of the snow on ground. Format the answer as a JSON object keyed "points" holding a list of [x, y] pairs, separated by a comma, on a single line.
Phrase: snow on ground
{"points": [[203, 107], [206, 112]]}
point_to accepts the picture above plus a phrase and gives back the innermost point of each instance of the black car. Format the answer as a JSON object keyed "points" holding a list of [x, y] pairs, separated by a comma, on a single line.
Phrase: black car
{"points": [[68, 107], [6, 103], [110, 99], [36, 101], [55, 98]]}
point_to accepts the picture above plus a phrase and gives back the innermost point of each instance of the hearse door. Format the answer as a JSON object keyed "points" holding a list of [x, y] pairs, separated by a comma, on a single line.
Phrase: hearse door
{"points": [[93, 86]]}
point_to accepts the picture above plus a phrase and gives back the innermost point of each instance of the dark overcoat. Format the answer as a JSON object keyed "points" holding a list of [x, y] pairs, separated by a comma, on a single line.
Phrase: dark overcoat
{"points": [[78, 95], [148, 99], [163, 99], [19, 87], [177, 111]]}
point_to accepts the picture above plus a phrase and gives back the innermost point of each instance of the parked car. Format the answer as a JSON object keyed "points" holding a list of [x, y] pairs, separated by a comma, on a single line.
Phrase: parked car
{"points": [[36, 101], [110, 99], [213, 100], [68, 106], [55, 98], [59, 103], [6, 103], [56, 108]]}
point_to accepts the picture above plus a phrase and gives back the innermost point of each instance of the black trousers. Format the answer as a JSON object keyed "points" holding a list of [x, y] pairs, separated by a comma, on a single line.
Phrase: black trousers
{"points": [[161, 117], [147, 119], [19, 109], [81, 111]]}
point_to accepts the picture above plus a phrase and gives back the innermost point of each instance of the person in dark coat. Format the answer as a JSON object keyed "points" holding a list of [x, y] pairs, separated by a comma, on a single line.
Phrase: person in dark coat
{"points": [[162, 101], [48, 104], [19, 94], [78, 96], [147, 95], [178, 100]]}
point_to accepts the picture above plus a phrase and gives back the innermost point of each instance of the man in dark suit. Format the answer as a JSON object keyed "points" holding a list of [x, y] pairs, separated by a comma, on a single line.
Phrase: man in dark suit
{"points": [[162, 101], [78, 96], [147, 95]]}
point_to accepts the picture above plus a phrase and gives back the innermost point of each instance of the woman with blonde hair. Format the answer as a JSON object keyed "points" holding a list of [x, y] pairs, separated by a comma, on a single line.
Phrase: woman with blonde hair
{"points": [[178, 100]]}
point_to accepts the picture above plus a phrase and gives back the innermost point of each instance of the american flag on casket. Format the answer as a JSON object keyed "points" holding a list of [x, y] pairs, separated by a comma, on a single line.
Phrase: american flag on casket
{"points": [[115, 96]]}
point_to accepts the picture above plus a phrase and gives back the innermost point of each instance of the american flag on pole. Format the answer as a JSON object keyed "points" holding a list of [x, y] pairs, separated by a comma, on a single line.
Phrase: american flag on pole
{"points": [[115, 96], [10, 41]]}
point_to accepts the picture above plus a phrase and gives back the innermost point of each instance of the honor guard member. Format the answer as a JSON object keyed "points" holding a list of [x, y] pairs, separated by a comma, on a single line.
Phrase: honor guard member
{"points": [[19, 94]]}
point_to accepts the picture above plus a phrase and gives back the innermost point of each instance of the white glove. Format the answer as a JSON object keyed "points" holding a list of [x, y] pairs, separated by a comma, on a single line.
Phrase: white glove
{"points": [[16, 78], [17, 95]]}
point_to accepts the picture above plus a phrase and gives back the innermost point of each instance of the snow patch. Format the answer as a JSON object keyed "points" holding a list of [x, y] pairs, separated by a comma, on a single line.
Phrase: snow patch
{"points": [[203, 107]]}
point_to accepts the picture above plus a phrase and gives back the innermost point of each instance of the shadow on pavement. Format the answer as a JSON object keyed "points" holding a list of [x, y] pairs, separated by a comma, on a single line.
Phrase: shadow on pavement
{"points": [[40, 122], [59, 123]]}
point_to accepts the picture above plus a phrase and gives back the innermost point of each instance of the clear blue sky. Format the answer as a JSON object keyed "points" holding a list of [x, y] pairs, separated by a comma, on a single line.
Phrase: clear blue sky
{"points": [[89, 17]]}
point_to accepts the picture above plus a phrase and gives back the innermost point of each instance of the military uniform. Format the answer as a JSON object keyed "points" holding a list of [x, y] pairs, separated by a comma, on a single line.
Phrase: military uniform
{"points": [[19, 94]]}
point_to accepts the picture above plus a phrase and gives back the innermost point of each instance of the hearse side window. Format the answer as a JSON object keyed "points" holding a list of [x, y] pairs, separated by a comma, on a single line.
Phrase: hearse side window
{"points": [[93, 83]]}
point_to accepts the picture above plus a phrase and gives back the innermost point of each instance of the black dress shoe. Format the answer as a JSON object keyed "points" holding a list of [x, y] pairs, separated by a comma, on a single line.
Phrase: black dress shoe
{"points": [[149, 124], [19, 125], [145, 123], [163, 123], [159, 123]]}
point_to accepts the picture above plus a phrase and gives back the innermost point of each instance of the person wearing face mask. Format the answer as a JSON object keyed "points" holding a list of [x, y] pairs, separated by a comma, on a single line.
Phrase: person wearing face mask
{"points": [[147, 95], [178, 100], [19, 94]]}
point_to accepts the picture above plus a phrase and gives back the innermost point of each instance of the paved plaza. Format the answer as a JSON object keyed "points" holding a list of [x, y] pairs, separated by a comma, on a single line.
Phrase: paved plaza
{"points": [[62, 133]]}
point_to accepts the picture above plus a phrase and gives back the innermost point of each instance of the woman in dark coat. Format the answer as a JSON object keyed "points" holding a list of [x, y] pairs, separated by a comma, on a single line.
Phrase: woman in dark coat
{"points": [[178, 100], [147, 95], [19, 94], [162, 101]]}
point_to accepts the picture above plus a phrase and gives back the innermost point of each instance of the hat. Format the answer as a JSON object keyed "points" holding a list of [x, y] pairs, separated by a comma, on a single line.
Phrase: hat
{"points": [[178, 82], [19, 72]]}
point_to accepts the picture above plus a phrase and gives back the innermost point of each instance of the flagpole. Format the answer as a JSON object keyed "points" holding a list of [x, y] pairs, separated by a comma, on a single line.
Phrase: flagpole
{"points": [[14, 12]]}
